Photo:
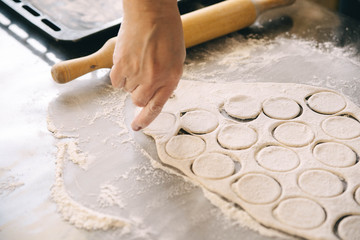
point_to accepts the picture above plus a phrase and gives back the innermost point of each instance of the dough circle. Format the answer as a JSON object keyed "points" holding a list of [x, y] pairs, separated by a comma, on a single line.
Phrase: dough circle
{"points": [[185, 146], [162, 123], [349, 229], [199, 121], [294, 134], [357, 195], [335, 154], [300, 213], [276, 158], [326, 102], [213, 165], [257, 188], [341, 127], [281, 108], [237, 136], [320, 183], [242, 107]]}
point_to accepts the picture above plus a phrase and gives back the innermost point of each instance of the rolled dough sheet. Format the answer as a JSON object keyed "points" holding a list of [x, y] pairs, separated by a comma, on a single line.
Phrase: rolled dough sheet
{"points": [[286, 178]]}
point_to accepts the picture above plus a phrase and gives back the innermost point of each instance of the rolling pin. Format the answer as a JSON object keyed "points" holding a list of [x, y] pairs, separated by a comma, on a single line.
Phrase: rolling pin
{"points": [[199, 26]]}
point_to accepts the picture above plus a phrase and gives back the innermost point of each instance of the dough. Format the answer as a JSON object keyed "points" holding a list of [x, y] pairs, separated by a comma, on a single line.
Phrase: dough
{"points": [[237, 137], [341, 127], [300, 213], [199, 121], [163, 123], [326, 102], [349, 228], [213, 165], [320, 183], [243, 107], [185, 146], [281, 108], [294, 175], [257, 188], [357, 195], [335, 154], [294, 134], [276, 158]]}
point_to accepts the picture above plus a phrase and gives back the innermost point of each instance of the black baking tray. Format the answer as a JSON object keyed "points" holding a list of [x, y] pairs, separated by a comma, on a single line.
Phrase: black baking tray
{"points": [[69, 20], [73, 20]]}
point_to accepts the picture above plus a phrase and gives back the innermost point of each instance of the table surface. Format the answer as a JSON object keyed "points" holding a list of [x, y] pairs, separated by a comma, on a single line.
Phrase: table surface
{"points": [[28, 151]]}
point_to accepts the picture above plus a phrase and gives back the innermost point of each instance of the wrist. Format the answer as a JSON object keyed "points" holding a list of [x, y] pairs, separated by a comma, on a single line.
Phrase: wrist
{"points": [[150, 9]]}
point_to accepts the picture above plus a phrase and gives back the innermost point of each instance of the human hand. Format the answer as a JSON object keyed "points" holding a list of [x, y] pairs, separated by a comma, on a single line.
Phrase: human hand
{"points": [[149, 55]]}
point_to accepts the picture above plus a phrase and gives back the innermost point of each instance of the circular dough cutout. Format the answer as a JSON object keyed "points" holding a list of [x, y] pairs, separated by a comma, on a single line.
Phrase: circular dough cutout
{"points": [[277, 158], [300, 213], [257, 188], [185, 146], [320, 183], [213, 165], [348, 228], [326, 102], [199, 121], [237, 136], [335, 154], [341, 127], [357, 195], [281, 108], [242, 107], [162, 123], [294, 134]]}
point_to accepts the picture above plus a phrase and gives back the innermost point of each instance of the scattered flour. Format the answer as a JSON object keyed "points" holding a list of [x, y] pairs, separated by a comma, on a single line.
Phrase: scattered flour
{"points": [[9, 183], [110, 196], [247, 60], [74, 212]]}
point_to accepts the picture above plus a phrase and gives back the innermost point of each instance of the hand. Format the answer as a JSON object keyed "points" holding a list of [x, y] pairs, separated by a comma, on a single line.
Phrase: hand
{"points": [[149, 55]]}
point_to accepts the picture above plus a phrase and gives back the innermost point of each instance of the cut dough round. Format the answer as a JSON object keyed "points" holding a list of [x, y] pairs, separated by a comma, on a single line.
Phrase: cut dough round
{"points": [[320, 183], [237, 136], [335, 154], [277, 158], [341, 127], [257, 188], [162, 123], [300, 213], [199, 121], [242, 107], [281, 108], [294, 134], [326, 102], [185, 146], [213, 165], [349, 229], [357, 195]]}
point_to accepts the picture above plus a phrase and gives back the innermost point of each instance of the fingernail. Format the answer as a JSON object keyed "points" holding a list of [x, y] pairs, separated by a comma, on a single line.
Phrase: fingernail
{"points": [[137, 128]]}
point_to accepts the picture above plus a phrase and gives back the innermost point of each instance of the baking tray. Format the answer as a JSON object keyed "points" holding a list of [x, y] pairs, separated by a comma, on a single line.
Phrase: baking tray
{"points": [[69, 20]]}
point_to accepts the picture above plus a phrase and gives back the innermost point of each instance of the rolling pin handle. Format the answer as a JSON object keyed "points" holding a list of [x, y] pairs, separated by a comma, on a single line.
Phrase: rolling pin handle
{"points": [[69, 70]]}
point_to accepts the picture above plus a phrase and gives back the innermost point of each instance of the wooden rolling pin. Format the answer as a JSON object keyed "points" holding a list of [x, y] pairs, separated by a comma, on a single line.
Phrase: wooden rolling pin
{"points": [[199, 26]]}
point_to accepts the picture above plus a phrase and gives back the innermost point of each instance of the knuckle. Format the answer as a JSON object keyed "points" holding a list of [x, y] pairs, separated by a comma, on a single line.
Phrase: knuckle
{"points": [[155, 108], [140, 102]]}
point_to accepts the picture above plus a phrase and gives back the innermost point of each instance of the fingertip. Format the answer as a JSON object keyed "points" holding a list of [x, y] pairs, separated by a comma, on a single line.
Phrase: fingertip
{"points": [[136, 126]]}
